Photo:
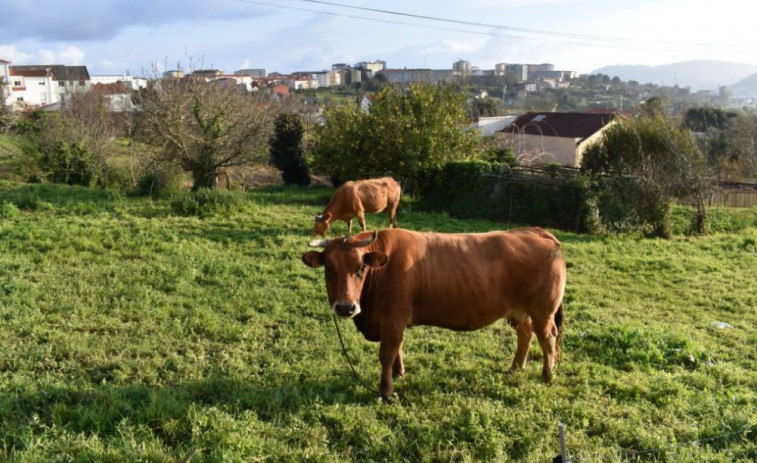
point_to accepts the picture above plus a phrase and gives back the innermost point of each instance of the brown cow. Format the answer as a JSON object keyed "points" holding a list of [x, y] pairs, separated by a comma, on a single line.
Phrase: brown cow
{"points": [[354, 199], [388, 280]]}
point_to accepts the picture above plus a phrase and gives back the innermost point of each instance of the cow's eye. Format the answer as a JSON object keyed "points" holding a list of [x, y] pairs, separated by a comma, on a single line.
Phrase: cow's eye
{"points": [[360, 273]]}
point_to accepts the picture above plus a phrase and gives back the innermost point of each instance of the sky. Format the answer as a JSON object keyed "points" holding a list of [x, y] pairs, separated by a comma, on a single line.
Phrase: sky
{"points": [[140, 37]]}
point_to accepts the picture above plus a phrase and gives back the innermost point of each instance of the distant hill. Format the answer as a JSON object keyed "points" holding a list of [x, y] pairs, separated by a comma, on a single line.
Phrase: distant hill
{"points": [[746, 86], [697, 75]]}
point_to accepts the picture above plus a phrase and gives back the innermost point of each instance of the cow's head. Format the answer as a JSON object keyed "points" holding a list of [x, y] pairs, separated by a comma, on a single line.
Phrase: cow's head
{"points": [[321, 223], [346, 261]]}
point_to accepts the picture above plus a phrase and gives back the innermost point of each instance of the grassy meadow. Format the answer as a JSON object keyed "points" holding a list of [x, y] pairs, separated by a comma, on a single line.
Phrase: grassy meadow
{"points": [[129, 332]]}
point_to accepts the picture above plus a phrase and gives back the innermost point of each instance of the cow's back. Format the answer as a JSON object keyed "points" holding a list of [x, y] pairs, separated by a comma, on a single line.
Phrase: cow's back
{"points": [[376, 194], [466, 281]]}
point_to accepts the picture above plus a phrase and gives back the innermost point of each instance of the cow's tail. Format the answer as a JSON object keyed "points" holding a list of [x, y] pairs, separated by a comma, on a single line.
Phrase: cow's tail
{"points": [[559, 324]]}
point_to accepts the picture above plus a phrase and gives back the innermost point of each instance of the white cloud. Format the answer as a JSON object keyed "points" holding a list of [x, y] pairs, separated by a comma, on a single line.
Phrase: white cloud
{"points": [[13, 54], [45, 56], [68, 55], [447, 47], [511, 3], [71, 55]]}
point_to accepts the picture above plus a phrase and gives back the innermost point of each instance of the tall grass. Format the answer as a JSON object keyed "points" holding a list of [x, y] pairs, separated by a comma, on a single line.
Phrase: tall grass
{"points": [[130, 332]]}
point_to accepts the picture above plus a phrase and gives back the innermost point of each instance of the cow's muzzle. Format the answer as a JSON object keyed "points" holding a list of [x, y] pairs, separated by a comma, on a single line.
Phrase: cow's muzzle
{"points": [[346, 309]]}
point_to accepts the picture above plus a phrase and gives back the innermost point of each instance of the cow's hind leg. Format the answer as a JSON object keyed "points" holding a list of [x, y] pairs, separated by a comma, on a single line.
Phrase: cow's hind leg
{"points": [[525, 332], [392, 212], [547, 337], [361, 219]]}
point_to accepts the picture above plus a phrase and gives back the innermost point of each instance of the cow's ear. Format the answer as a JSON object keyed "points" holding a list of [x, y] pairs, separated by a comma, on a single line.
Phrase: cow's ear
{"points": [[313, 259], [375, 259]]}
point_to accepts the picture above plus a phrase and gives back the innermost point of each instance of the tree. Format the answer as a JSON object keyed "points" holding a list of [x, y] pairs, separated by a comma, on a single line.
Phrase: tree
{"points": [[741, 132], [710, 124], [486, 107], [286, 153], [91, 110], [704, 118], [205, 127], [653, 107], [403, 131], [61, 151], [654, 161]]}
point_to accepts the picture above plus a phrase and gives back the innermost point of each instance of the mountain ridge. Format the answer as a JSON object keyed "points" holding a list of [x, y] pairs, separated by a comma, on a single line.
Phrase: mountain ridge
{"points": [[695, 74]]}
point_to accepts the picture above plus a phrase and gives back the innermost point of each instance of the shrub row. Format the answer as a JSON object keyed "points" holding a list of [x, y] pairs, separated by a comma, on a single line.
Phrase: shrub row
{"points": [[496, 191]]}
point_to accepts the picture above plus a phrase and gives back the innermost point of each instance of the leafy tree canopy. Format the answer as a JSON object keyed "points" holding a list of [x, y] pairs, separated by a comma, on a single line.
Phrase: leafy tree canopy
{"points": [[661, 160], [403, 130]]}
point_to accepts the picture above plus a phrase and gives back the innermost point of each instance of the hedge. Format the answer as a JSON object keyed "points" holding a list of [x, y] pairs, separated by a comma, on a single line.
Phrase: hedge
{"points": [[496, 191]]}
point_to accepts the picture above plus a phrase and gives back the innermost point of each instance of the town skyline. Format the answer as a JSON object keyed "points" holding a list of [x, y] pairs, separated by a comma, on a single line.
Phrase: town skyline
{"points": [[118, 36]]}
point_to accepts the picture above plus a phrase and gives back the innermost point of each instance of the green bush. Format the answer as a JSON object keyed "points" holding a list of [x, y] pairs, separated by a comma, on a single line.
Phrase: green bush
{"points": [[206, 202], [157, 182], [496, 191]]}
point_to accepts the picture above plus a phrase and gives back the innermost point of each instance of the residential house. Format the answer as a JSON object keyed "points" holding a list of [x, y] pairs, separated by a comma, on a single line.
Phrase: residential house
{"points": [[365, 103], [117, 96], [31, 88], [303, 81], [280, 90], [561, 137], [43, 85]]}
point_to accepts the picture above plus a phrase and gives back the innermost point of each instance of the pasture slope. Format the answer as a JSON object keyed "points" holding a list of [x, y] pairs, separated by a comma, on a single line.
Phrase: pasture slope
{"points": [[129, 333]]}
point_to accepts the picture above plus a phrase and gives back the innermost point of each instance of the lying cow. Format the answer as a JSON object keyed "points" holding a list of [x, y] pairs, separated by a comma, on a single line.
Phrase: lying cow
{"points": [[354, 199], [388, 280]]}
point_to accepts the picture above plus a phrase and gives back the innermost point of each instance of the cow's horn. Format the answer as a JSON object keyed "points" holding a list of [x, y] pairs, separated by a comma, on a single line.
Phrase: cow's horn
{"points": [[318, 243], [366, 241]]}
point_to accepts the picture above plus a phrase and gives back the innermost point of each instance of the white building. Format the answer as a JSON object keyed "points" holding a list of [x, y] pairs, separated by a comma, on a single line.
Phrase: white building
{"points": [[31, 89], [260, 73], [328, 78], [42, 85], [488, 126], [129, 82], [302, 82], [411, 76], [372, 66]]}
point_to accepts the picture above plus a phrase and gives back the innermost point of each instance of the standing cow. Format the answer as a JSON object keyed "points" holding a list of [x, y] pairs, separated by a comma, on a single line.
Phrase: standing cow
{"points": [[388, 280], [354, 199]]}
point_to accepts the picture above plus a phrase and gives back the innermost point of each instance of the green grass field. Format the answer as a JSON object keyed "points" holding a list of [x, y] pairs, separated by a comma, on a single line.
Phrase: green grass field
{"points": [[128, 333]]}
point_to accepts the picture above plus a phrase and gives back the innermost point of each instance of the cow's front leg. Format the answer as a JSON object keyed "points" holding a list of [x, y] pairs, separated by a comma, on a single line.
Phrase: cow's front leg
{"points": [[389, 355], [349, 226], [361, 219], [398, 369]]}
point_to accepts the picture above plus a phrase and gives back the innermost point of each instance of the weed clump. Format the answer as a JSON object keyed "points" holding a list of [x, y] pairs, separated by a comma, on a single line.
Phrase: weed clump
{"points": [[206, 202]]}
